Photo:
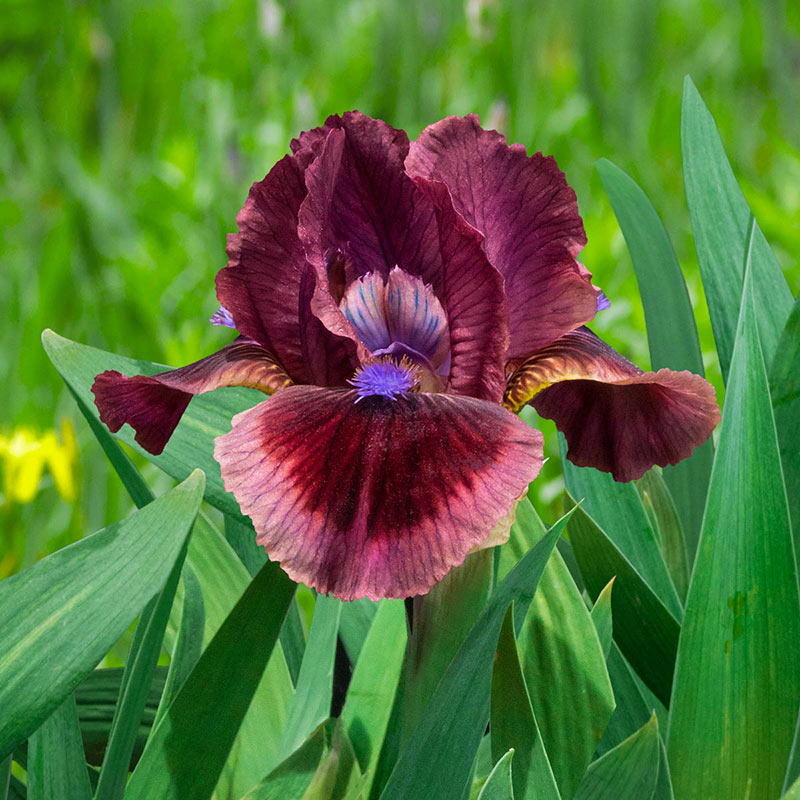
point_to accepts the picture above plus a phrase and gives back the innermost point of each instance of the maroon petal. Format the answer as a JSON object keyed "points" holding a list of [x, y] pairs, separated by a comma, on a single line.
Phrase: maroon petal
{"points": [[615, 417], [154, 405], [378, 498], [473, 298], [261, 284], [529, 217], [362, 206]]}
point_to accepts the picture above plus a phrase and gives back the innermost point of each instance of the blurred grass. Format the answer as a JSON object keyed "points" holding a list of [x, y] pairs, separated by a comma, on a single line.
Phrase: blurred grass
{"points": [[131, 131]]}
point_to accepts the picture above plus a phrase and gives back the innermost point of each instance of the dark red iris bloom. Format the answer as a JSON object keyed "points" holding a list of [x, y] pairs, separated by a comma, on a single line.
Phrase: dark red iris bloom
{"points": [[401, 300]]}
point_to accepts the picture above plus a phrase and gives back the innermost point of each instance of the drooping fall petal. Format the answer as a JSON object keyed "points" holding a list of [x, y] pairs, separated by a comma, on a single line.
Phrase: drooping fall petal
{"points": [[529, 217], [153, 405], [378, 498], [615, 417]]}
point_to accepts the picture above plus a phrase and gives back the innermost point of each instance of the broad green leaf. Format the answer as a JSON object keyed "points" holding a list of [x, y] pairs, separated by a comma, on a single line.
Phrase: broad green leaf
{"points": [[784, 384], [56, 763], [513, 725], [373, 686], [136, 682], [292, 777], [655, 495], [628, 772], [437, 761], [192, 444], [645, 630], [214, 698], [737, 678], [602, 617], [96, 585], [312, 701], [562, 660], [96, 699], [671, 329], [441, 620], [618, 510], [189, 642], [498, 784], [223, 579], [720, 217]]}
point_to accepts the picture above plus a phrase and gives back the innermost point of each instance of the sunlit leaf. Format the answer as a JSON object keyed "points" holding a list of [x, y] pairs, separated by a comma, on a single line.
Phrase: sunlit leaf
{"points": [[732, 718], [442, 618], [96, 585], [312, 700], [653, 490], [292, 777]]}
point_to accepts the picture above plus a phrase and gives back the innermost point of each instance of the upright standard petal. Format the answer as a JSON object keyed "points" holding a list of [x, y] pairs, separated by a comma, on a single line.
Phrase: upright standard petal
{"points": [[474, 301], [615, 417], [376, 498], [153, 405], [529, 217], [364, 209]]}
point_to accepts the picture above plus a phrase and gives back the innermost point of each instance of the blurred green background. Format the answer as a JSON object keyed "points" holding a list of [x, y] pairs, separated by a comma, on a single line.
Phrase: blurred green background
{"points": [[131, 131]]}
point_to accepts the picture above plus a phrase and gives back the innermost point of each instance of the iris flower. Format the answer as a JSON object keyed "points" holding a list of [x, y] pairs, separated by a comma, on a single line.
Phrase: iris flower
{"points": [[401, 300]]}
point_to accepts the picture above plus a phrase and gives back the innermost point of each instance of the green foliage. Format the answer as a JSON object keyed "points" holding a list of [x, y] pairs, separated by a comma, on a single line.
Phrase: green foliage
{"points": [[742, 620], [61, 616], [575, 700]]}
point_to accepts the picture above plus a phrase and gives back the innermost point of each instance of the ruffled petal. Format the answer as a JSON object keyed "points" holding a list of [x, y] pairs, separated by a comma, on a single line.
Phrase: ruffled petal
{"points": [[615, 417], [260, 286], [529, 217], [378, 498], [153, 405], [364, 210], [473, 298]]}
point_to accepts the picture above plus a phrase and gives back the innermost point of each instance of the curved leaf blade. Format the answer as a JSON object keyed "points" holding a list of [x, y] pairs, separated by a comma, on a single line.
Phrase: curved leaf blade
{"points": [[437, 760], [732, 720], [236, 657], [100, 584], [720, 217]]}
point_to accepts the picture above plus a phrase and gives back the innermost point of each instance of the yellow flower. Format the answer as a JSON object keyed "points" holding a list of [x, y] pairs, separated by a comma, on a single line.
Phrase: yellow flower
{"points": [[25, 454]]}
